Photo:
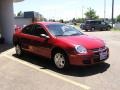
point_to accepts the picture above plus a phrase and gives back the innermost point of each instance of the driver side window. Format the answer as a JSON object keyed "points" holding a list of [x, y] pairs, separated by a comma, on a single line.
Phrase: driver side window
{"points": [[38, 30], [28, 30]]}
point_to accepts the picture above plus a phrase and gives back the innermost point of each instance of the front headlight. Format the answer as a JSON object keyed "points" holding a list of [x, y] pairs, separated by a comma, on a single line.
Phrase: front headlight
{"points": [[80, 49]]}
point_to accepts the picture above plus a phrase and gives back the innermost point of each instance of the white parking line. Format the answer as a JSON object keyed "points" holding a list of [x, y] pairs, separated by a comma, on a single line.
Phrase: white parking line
{"points": [[82, 86]]}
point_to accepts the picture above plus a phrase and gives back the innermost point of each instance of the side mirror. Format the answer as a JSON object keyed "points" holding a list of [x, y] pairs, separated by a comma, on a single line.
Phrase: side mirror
{"points": [[44, 36]]}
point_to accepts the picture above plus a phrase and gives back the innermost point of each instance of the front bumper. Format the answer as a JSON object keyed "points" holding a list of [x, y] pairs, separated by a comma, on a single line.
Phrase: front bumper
{"points": [[92, 57]]}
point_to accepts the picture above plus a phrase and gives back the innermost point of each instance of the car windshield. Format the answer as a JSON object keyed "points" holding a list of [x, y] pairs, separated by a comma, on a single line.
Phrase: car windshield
{"points": [[63, 30]]}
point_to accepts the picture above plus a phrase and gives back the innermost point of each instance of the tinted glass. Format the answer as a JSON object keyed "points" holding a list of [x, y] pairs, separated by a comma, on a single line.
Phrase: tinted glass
{"points": [[38, 30], [28, 29], [93, 22]]}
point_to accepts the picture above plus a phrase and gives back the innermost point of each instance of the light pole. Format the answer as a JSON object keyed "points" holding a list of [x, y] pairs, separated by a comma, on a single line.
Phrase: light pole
{"points": [[82, 13], [112, 12], [104, 10]]}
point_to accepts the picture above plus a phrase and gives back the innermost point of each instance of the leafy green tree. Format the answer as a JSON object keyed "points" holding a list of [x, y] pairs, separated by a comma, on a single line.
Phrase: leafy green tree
{"points": [[91, 14], [61, 21], [118, 18], [20, 13], [80, 20]]}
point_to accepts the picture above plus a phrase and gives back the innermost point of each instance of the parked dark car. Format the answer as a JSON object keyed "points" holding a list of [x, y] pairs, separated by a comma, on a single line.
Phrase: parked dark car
{"points": [[93, 25], [61, 43]]}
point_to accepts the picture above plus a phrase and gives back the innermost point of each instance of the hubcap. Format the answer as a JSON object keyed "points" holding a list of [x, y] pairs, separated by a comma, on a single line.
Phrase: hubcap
{"points": [[108, 28], [18, 50], [59, 60], [93, 29]]}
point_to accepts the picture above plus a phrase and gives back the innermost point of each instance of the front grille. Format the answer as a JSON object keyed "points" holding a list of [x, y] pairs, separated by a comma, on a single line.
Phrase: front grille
{"points": [[99, 49]]}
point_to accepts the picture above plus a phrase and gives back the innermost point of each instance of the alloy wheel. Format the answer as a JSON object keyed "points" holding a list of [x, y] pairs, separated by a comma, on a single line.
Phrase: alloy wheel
{"points": [[59, 60], [18, 50]]}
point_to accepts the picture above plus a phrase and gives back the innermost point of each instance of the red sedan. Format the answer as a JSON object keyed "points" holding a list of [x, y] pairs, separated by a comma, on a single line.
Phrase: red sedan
{"points": [[63, 44]]}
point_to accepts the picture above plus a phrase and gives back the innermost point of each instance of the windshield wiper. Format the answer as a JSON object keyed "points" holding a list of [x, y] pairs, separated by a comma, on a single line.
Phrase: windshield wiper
{"points": [[58, 35], [75, 34], [63, 35]]}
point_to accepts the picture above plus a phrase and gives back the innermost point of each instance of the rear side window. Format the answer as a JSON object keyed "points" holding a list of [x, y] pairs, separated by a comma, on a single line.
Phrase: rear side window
{"points": [[87, 22], [93, 22], [97, 22], [28, 30]]}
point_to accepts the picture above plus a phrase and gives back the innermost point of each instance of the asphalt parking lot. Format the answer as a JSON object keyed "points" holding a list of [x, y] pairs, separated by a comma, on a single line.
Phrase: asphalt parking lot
{"points": [[31, 72]]}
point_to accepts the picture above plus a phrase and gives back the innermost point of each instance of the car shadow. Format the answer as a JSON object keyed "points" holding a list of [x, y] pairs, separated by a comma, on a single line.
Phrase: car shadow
{"points": [[97, 31], [76, 71], [4, 47]]}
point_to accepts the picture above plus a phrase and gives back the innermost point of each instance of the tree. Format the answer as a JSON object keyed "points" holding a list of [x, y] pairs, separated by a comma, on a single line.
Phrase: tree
{"points": [[40, 17], [91, 14], [52, 20], [80, 20], [20, 13], [118, 18], [61, 21]]}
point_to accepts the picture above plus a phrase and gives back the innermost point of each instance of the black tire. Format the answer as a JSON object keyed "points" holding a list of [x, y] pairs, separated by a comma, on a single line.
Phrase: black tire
{"points": [[62, 63], [86, 30], [108, 28], [102, 29], [18, 50]]}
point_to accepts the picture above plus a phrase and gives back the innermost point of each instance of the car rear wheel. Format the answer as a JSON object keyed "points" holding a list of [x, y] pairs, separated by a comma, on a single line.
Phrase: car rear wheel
{"points": [[92, 29], [18, 50], [86, 30], [60, 60]]}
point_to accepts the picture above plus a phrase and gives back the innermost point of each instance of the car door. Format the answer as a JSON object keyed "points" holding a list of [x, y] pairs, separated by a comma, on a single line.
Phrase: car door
{"points": [[25, 37], [41, 45], [103, 25], [97, 25]]}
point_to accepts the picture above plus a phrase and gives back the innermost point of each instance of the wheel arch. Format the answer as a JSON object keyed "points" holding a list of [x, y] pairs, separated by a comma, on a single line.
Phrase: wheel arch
{"points": [[58, 49]]}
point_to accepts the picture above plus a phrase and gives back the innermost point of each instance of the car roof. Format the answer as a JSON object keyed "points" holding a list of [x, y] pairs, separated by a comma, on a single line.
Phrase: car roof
{"points": [[47, 23]]}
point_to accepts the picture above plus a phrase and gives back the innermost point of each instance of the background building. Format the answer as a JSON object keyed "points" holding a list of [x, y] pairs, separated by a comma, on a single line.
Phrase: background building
{"points": [[34, 15], [27, 18]]}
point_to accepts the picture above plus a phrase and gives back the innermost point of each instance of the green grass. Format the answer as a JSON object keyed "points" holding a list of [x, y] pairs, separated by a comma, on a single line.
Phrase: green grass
{"points": [[118, 30]]}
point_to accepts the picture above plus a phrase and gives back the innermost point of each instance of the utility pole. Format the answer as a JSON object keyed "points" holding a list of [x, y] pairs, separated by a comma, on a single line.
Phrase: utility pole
{"points": [[112, 12], [104, 10], [82, 12]]}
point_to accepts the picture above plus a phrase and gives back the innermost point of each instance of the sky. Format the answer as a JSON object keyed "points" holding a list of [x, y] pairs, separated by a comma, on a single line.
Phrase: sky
{"points": [[67, 9]]}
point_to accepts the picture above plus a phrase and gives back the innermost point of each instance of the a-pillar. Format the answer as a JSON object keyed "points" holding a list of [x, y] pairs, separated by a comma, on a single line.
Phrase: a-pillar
{"points": [[7, 20]]}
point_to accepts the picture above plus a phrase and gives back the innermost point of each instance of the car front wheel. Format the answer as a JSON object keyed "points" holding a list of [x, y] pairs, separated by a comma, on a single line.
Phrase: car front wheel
{"points": [[86, 30], [60, 60], [108, 28], [18, 50]]}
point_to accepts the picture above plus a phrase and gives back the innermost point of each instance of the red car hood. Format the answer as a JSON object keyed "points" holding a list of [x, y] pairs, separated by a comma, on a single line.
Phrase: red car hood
{"points": [[84, 40]]}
